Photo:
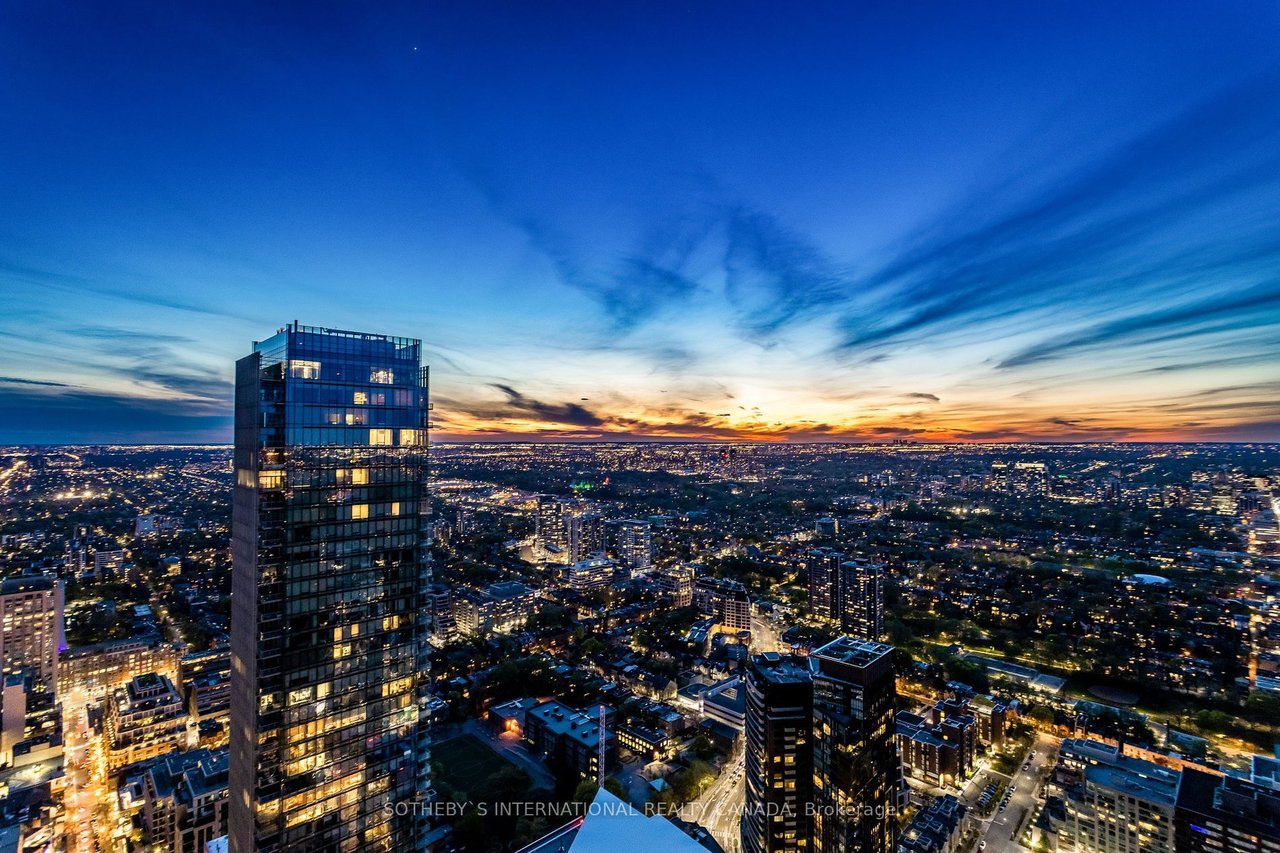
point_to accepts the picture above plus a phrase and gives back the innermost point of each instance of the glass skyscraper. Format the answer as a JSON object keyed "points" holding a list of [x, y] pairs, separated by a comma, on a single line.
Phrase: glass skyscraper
{"points": [[855, 756], [822, 769], [329, 746], [779, 756]]}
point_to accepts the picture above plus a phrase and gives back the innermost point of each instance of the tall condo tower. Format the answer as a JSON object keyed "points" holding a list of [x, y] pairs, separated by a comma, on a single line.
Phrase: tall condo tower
{"points": [[824, 581], [779, 756], [862, 598], [329, 749], [855, 758]]}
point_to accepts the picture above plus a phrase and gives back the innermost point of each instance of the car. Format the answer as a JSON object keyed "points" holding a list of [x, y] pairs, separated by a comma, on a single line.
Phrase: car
{"points": [[1013, 789], [982, 845]]}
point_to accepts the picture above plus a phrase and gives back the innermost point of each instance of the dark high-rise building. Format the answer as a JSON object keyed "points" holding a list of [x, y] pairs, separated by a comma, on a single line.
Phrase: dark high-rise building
{"points": [[855, 759], [330, 574], [1217, 814], [861, 598], [779, 756], [824, 581]]}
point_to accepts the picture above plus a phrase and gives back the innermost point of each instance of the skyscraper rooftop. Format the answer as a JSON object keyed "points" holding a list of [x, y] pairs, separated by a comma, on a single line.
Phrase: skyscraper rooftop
{"points": [[853, 651]]}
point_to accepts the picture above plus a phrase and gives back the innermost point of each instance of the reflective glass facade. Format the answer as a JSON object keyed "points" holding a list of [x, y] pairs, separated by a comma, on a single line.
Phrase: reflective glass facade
{"points": [[855, 757], [329, 663]]}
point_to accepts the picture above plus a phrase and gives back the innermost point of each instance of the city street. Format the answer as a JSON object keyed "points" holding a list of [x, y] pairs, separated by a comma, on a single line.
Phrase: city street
{"points": [[719, 809], [1004, 826], [85, 791], [765, 636]]}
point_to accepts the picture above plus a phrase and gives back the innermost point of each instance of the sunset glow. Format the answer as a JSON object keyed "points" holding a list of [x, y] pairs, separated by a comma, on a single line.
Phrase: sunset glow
{"points": [[1068, 234]]}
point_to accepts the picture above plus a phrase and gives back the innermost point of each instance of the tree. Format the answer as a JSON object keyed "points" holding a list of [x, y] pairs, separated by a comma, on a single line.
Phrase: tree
{"points": [[1041, 714], [585, 792], [1263, 707], [472, 832], [903, 662], [703, 748], [507, 785], [613, 786], [1213, 721], [528, 830]]}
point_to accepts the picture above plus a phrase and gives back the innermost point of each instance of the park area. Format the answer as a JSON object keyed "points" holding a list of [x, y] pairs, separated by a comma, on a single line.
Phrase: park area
{"points": [[466, 764], [466, 771]]}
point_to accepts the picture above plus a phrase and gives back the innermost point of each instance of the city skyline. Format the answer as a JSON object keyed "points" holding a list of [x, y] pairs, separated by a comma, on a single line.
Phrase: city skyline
{"points": [[317, 641], [563, 428], [1012, 223]]}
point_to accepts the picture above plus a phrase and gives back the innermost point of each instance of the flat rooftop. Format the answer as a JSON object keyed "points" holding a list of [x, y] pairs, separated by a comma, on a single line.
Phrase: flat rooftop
{"points": [[563, 720], [508, 589], [775, 669], [25, 583], [853, 651], [1106, 767], [1137, 778]]}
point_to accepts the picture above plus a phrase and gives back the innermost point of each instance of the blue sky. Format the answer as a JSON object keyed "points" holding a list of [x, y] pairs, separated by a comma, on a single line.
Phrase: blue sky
{"points": [[969, 221]]}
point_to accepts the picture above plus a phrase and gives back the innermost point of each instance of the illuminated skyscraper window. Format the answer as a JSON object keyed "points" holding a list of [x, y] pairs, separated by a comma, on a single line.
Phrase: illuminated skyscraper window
{"points": [[329, 665]]}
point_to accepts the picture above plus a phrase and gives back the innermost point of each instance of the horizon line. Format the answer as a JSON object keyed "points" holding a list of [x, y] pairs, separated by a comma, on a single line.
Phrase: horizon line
{"points": [[739, 442]]}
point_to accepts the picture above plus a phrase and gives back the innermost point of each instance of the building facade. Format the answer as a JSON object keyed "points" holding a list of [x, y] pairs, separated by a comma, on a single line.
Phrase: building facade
{"points": [[779, 756], [101, 667], [568, 739], [145, 718], [180, 800], [677, 582], [204, 679], [584, 533], [590, 574], [330, 569], [550, 529], [862, 599], [724, 600], [856, 773], [1224, 814], [936, 828], [631, 541], [31, 626], [824, 581], [1114, 803]]}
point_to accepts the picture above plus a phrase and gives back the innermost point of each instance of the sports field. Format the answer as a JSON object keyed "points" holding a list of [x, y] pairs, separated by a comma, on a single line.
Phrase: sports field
{"points": [[467, 762]]}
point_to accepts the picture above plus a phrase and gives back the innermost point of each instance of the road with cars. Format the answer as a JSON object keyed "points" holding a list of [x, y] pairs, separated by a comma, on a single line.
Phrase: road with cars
{"points": [[719, 809], [1018, 802]]}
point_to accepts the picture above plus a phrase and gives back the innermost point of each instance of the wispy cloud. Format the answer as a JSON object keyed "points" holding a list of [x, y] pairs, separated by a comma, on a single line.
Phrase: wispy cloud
{"points": [[773, 276], [110, 333], [1131, 229], [1212, 314], [517, 407], [14, 380], [152, 294]]}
